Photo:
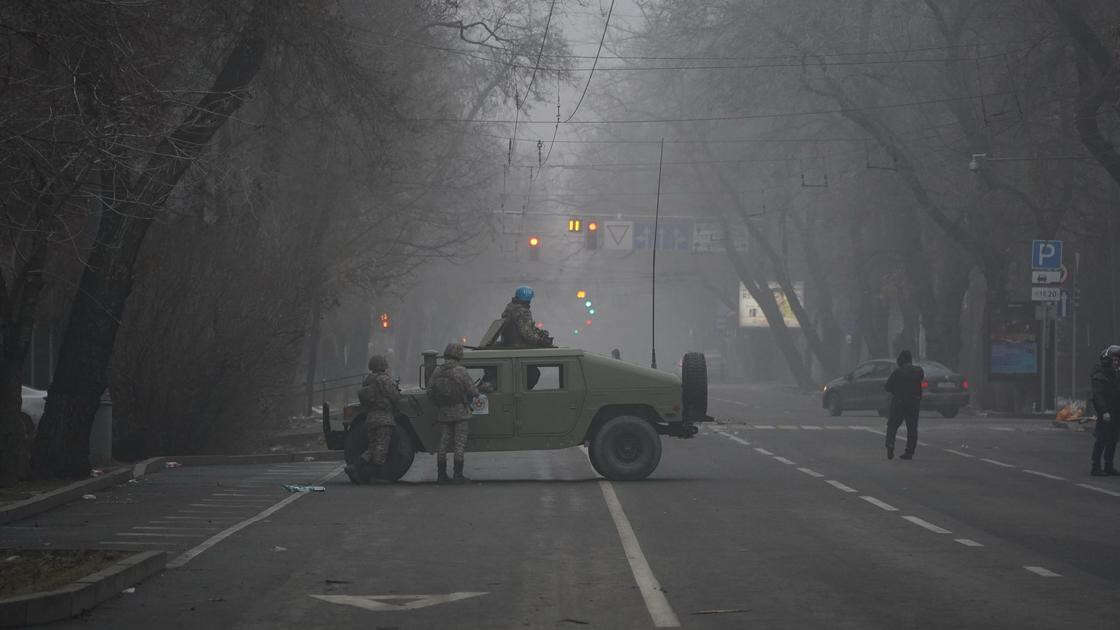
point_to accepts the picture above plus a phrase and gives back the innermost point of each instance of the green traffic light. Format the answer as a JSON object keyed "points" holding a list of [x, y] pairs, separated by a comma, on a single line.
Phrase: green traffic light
{"points": [[575, 332], [590, 311], [587, 304]]}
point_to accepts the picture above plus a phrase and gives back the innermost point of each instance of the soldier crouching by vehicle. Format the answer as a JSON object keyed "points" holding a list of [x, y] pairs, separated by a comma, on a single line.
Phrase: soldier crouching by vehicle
{"points": [[452, 390], [379, 396]]}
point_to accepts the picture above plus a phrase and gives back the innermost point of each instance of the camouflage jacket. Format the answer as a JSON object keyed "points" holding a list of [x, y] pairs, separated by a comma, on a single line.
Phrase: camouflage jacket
{"points": [[459, 411], [519, 329], [379, 396]]}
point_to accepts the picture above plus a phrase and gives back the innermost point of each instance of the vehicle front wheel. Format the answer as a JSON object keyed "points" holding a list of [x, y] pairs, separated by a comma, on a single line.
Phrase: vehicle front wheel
{"points": [[626, 448], [948, 412], [835, 405], [399, 460]]}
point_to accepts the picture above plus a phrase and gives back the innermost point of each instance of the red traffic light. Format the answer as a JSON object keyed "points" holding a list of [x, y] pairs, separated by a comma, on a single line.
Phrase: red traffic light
{"points": [[592, 226], [587, 322]]}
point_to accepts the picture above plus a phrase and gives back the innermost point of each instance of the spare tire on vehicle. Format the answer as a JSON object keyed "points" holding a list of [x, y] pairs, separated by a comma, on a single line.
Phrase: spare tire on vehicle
{"points": [[694, 385], [399, 460]]}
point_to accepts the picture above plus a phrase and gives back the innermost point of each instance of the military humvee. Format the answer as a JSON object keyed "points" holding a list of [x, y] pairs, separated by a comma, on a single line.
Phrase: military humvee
{"points": [[546, 398]]}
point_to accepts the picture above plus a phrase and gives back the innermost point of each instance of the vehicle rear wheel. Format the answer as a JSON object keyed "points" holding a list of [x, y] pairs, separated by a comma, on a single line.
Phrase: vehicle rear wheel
{"points": [[399, 460], [626, 448], [694, 385], [835, 405], [948, 412]]}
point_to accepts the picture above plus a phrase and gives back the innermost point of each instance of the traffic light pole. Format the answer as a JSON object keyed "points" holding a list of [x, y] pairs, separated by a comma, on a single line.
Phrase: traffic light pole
{"points": [[653, 275]]}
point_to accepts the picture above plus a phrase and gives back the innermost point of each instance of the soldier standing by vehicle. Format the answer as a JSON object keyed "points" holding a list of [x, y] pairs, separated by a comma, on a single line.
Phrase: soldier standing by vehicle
{"points": [[905, 387], [1105, 381], [518, 327], [379, 396], [452, 390]]}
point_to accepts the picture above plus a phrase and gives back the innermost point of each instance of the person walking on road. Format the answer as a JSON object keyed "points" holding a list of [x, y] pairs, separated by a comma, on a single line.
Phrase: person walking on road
{"points": [[1105, 381], [905, 387], [452, 390]]}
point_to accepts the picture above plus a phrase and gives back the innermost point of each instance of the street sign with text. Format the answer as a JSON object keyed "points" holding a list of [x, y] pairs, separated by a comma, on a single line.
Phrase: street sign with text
{"points": [[1042, 276], [1046, 294]]}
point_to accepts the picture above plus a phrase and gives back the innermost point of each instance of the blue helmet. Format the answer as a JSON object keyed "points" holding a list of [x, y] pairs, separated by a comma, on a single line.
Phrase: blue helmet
{"points": [[525, 294]]}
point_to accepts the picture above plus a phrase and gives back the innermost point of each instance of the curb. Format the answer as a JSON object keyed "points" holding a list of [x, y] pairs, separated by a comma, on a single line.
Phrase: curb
{"points": [[75, 598], [1074, 426], [72, 492]]}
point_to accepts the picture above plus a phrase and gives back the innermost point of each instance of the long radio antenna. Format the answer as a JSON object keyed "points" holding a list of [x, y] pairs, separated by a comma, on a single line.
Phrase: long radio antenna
{"points": [[653, 274]]}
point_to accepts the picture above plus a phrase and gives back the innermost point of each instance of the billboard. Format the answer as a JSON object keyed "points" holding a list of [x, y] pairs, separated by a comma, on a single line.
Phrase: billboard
{"points": [[751, 315], [1013, 342]]}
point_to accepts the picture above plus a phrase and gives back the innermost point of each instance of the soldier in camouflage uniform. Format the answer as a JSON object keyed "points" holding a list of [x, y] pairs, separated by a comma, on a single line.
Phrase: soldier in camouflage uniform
{"points": [[378, 396], [451, 379], [518, 327]]}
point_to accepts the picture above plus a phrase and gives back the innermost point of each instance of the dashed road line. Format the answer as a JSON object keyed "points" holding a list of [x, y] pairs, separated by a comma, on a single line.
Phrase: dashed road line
{"points": [[836, 428], [736, 439], [155, 535], [763, 451], [1098, 489], [879, 504], [967, 542], [788, 427], [788, 462], [176, 528], [810, 472], [764, 426], [135, 542], [1042, 571], [810, 427], [840, 486], [926, 525], [192, 553], [949, 450], [1042, 474], [992, 461], [656, 603]]}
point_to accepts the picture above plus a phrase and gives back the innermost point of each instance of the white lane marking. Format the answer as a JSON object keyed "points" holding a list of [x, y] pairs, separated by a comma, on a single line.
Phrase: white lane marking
{"points": [[968, 542], [880, 432], [992, 461], [840, 486], [857, 427], [236, 494], [926, 524], [1085, 485], [190, 554], [811, 473], [788, 462], [409, 602], [223, 506], [1000, 429], [1044, 572], [733, 402], [789, 427], [734, 438], [949, 450], [879, 504], [835, 428], [135, 542], [764, 426], [194, 518], [1042, 474], [658, 606], [763, 451], [810, 427]]}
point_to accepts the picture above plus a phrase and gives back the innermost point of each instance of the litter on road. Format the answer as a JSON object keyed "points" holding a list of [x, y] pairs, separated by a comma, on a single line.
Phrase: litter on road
{"points": [[291, 488], [89, 496], [172, 465]]}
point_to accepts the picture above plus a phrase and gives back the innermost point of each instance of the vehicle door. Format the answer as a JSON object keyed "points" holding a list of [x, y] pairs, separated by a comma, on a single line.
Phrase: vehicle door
{"points": [[499, 420], [857, 391], [550, 396], [877, 396]]}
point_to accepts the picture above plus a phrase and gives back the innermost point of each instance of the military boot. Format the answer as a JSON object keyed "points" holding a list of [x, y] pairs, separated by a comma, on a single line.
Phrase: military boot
{"points": [[441, 469], [459, 477]]}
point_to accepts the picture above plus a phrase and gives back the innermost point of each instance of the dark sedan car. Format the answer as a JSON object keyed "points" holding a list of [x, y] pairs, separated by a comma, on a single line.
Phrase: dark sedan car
{"points": [[943, 390]]}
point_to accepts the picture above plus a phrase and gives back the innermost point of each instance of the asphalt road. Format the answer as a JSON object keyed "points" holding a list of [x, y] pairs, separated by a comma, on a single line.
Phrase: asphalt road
{"points": [[777, 517]]}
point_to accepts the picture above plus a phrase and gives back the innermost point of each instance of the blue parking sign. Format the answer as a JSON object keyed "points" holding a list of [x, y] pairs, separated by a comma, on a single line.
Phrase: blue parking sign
{"points": [[1046, 255]]}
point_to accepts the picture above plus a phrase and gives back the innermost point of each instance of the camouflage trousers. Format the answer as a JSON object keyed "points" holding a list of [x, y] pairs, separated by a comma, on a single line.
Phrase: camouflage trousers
{"points": [[453, 434], [379, 436]]}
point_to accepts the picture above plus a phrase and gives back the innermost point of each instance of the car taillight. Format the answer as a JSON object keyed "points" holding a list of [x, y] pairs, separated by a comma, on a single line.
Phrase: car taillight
{"points": [[925, 384], [964, 384]]}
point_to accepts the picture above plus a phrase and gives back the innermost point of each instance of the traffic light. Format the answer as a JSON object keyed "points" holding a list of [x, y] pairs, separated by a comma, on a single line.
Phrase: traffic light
{"points": [[587, 304], [384, 321], [534, 248], [587, 322], [581, 294], [575, 225], [592, 234]]}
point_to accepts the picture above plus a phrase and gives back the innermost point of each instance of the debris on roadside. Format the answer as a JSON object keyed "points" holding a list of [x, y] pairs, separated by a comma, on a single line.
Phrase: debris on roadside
{"points": [[575, 621], [1071, 411], [336, 581], [96, 472], [279, 548], [130, 590], [89, 496], [721, 611], [172, 465], [309, 459], [133, 481], [294, 488]]}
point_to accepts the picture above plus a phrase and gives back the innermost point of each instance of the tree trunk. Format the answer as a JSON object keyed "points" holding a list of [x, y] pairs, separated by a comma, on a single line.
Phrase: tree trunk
{"points": [[313, 352], [82, 375], [760, 291]]}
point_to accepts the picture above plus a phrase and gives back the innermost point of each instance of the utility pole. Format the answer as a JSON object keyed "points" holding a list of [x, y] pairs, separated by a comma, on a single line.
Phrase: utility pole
{"points": [[653, 275]]}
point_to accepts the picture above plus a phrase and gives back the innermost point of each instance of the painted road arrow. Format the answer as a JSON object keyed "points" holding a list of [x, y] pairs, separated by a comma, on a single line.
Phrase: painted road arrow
{"points": [[382, 603]]}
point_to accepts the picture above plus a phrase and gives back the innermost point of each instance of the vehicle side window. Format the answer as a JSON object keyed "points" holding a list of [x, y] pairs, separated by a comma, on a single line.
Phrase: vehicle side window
{"points": [[882, 370], [484, 374], [543, 378], [863, 371]]}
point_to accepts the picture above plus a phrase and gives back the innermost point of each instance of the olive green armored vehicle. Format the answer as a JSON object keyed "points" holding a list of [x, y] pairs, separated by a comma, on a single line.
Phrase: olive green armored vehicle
{"points": [[546, 398]]}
